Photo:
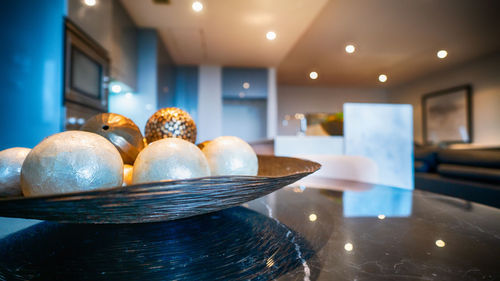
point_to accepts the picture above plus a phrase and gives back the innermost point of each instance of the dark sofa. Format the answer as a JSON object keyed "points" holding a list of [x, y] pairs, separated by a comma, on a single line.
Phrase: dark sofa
{"points": [[473, 175]]}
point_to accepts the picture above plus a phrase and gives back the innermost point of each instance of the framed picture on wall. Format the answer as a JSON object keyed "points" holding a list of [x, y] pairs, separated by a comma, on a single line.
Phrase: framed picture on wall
{"points": [[447, 116]]}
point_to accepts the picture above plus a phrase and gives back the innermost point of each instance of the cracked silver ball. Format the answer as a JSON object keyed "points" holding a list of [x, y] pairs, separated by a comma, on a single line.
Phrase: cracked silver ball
{"points": [[11, 161], [71, 161]]}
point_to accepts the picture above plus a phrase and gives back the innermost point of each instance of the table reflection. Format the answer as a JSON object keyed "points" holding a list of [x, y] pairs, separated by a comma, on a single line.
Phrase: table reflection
{"points": [[236, 243], [379, 201]]}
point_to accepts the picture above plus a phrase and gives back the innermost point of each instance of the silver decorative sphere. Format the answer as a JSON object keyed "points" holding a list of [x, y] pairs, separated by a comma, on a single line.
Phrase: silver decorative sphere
{"points": [[11, 161], [71, 161], [170, 159], [229, 155]]}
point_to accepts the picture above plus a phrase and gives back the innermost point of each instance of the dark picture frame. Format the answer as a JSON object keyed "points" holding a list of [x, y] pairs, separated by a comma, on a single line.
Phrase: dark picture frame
{"points": [[447, 116]]}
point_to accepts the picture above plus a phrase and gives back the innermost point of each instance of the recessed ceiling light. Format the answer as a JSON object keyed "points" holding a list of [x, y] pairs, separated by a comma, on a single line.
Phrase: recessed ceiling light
{"points": [[348, 247], [313, 217], [313, 75], [350, 49], [197, 6], [442, 54], [382, 78], [90, 3], [246, 85], [271, 35]]}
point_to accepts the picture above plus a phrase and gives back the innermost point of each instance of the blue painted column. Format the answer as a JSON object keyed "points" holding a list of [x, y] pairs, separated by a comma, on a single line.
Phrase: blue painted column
{"points": [[31, 71], [186, 90]]}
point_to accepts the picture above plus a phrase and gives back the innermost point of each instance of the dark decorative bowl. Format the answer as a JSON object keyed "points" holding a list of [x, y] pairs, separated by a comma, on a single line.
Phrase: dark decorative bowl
{"points": [[160, 201]]}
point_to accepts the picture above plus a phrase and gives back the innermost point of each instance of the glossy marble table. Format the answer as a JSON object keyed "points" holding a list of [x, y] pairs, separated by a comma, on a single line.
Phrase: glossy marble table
{"points": [[297, 233]]}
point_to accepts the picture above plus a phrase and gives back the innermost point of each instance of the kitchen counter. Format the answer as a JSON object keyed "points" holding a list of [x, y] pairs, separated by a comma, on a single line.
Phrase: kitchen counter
{"points": [[307, 145], [363, 232]]}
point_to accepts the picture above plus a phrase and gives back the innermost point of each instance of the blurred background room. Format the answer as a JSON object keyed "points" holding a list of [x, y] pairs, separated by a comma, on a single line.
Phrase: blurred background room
{"points": [[398, 100], [279, 74]]}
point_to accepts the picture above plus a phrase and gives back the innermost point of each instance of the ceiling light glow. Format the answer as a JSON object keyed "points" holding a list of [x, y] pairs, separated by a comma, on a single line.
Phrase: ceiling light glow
{"points": [[442, 54], [313, 217], [350, 49], [381, 217], [271, 35], [246, 85], [348, 247], [197, 6], [382, 78], [90, 3], [313, 75]]}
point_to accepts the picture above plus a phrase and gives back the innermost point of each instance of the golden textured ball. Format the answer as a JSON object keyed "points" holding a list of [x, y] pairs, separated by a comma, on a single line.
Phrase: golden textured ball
{"points": [[122, 132], [170, 122]]}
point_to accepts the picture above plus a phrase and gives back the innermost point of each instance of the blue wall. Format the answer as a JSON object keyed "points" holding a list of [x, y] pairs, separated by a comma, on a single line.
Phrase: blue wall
{"points": [[245, 110], [31, 71], [143, 103], [234, 77], [166, 77], [186, 89]]}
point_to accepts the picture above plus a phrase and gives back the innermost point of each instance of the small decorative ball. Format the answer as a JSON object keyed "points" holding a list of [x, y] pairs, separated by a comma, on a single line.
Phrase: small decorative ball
{"points": [[170, 122], [170, 159], [11, 161], [127, 174], [231, 156], [71, 161], [122, 132]]}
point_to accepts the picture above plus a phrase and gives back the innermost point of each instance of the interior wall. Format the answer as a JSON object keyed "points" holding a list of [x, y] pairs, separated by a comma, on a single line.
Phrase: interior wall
{"points": [[272, 104], [244, 118], [306, 99], [140, 105], [186, 89], [484, 76], [32, 71], [210, 93], [209, 102], [166, 77]]}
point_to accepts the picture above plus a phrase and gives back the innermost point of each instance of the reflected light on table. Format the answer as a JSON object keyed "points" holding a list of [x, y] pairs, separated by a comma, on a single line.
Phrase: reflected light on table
{"points": [[299, 189], [269, 262], [440, 243]]}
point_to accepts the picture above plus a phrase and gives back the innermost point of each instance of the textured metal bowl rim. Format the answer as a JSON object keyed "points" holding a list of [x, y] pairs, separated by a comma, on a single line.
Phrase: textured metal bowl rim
{"points": [[163, 183], [162, 200]]}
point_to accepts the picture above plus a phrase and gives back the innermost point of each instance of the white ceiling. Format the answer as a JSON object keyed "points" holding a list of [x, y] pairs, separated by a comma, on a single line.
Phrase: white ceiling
{"points": [[227, 32], [397, 37]]}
